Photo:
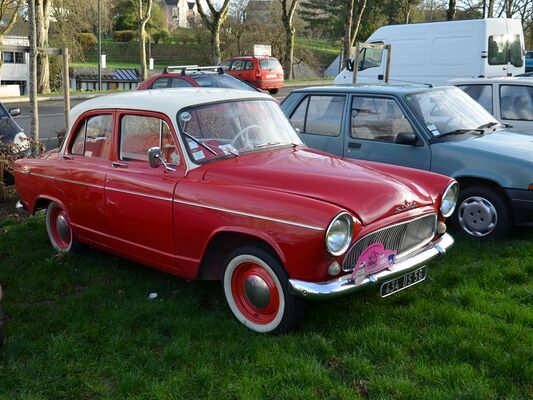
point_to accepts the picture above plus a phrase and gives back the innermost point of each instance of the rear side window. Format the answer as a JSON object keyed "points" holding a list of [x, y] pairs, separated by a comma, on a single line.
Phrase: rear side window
{"points": [[237, 65], [139, 133], [248, 65], [480, 93], [319, 115], [178, 82], [160, 83], [516, 102], [93, 137]]}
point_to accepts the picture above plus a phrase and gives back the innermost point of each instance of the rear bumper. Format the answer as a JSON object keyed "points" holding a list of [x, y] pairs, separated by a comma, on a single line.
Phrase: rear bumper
{"points": [[346, 285], [522, 205], [266, 84]]}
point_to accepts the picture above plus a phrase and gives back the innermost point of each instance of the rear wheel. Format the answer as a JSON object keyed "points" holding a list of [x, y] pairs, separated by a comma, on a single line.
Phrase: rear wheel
{"points": [[256, 288], [59, 229], [482, 212], [273, 91]]}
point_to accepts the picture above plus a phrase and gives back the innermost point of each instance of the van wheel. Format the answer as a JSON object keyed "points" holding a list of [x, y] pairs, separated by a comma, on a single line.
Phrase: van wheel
{"points": [[483, 213], [256, 288], [273, 91], [60, 230]]}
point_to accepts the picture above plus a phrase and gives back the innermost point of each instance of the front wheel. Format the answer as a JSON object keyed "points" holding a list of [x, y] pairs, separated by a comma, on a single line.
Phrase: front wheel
{"points": [[482, 212], [256, 288]]}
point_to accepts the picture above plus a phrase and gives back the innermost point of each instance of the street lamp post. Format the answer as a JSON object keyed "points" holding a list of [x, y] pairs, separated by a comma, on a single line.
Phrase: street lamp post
{"points": [[99, 46]]}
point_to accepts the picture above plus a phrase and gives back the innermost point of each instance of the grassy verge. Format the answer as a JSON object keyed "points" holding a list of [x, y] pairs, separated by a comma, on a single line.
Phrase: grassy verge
{"points": [[81, 327]]}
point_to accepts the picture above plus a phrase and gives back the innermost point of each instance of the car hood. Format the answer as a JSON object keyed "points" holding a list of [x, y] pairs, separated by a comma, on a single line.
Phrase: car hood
{"points": [[368, 194], [8, 129]]}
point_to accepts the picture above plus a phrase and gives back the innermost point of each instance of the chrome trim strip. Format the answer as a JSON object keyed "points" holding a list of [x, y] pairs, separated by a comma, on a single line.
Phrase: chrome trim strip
{"points": [[245, 214], [151, 196], [55, 178], [404, 253], [345, 284]]}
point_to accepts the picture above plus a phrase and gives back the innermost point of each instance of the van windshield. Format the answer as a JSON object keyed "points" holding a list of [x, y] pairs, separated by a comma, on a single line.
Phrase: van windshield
{"points": [[445, 110], [504, 49]]}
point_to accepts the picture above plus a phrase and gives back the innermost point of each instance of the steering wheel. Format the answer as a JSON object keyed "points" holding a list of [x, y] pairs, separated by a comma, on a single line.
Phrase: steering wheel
{"points": [[243, 136]]}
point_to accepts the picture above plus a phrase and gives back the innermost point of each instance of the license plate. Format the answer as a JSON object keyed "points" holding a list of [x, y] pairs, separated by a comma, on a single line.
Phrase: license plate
{"points": [[403, 282], [270, 76]]}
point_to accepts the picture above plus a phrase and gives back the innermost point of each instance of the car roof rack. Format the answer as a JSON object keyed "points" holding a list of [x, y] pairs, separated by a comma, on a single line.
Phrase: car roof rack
{"points": [[192, 68]]}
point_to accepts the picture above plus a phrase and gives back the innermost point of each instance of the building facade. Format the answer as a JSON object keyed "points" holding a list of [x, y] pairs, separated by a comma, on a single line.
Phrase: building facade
{"points": [[15, 65], [180, 13]]}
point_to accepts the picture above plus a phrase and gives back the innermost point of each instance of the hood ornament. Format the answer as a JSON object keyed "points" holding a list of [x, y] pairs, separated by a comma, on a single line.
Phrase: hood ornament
{"points": [[406, 206]]}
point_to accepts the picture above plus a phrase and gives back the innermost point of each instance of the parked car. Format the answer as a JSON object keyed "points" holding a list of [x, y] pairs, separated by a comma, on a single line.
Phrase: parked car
{"points": [[262, 72], [509, 100], [13, 140], [436, 129], [436, 52], [529, 61], [186, 76], [216, 184]]}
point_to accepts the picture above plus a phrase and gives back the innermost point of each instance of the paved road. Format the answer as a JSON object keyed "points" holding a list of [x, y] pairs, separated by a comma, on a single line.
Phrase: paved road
{"points": [[51, 116]]}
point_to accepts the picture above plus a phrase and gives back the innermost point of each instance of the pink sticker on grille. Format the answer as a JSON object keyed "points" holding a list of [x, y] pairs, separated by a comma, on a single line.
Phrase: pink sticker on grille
{"points": [[373, 259]]}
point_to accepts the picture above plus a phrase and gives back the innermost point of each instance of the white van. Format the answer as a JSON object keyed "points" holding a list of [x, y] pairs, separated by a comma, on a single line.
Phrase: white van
{"points": [[436, 52]]}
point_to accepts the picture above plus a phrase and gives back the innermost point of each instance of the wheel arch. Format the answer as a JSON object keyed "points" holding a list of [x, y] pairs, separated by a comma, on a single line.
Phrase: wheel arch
{"points": [[42, 203], [469, 181], [224, 241]]}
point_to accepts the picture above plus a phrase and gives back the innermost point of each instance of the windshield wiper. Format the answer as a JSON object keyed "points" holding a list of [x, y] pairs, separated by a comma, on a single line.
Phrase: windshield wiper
{"points": [[461, 131], [256, 146], [204, 145], [488, 125]]}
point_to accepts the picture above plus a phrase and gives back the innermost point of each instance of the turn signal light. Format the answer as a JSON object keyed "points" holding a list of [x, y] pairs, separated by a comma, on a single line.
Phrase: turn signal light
{"points": [[530, 186]]}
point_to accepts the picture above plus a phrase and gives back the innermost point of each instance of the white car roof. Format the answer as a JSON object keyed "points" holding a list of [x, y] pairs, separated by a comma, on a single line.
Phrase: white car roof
{"points": [[166, 101]]}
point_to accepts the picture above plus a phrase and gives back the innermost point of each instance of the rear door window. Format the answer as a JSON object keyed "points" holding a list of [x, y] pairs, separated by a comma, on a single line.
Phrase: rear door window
{"points": [[237, 65], [322, 115], [93, 137], [480, 93], [516, 102], [505, 49]]}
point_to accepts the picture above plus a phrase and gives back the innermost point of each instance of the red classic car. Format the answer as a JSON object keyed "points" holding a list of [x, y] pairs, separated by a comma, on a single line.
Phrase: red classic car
{"points": [[216, 184]]}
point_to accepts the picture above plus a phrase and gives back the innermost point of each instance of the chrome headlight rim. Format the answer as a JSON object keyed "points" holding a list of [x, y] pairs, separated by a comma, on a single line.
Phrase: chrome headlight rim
{"points": [[21, 141], [349, 235], [453, 186]]}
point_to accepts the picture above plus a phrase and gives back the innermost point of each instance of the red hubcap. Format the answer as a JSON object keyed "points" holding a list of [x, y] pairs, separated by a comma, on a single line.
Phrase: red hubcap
{"points": [[255, 293], [60, 227]]}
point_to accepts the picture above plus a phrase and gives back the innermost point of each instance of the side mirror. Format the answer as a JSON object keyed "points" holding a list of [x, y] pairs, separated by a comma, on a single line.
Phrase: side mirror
{"points": [[154, 157], [349, 64], [155, 160], [407, 138], [14, 112]]}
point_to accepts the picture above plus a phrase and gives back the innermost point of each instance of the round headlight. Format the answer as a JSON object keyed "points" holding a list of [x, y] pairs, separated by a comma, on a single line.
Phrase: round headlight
{"points": [[339, 234], [20, 142], [449, 199]]}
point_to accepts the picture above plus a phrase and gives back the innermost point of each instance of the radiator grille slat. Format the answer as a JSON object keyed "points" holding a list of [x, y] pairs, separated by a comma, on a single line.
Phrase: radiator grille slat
{"points": [[401, 238]]}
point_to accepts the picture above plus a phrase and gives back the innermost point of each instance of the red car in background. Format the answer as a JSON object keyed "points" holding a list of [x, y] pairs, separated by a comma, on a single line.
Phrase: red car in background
{"points": [[262, 72], [186, 76]]}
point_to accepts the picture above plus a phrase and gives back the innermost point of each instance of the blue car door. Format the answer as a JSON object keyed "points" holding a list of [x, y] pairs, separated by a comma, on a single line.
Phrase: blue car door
{"points": [[377, 128]]}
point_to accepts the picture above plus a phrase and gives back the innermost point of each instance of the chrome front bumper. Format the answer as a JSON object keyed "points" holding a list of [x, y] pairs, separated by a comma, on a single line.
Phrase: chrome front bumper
{"points": [[20, 208], [345, 284]]}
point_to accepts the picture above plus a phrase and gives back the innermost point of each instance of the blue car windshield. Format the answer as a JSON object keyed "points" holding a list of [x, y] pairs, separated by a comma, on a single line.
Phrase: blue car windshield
{"points": [[448, 109]]}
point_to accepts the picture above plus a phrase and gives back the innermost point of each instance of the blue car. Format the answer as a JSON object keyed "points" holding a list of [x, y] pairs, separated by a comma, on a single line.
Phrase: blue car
{"points": [[529, 61], [436, 129]]}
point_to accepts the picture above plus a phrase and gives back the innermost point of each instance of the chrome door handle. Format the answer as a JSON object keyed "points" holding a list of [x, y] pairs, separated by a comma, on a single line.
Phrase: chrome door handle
{"points": [[116, 164]]}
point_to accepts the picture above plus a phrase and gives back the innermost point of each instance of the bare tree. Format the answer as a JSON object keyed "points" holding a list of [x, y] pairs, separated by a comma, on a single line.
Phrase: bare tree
{"points": [[42, 21], [288, 9], [144, 17], [32, 16], [352, 21], [8, 15], [490, 9], [213, 22], [452, 7]]}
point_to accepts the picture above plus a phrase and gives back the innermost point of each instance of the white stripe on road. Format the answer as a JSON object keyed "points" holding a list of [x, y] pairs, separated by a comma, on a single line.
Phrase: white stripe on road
{"points": [[40, 115]]}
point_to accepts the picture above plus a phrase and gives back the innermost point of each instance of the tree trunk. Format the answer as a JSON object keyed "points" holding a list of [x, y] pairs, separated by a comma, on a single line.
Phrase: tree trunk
{"points": [[143, 20], [450, 14], [42, 19], [347, 39], [215, 44], [490, 11], [289, 50], [33, 72], [509, 9]]}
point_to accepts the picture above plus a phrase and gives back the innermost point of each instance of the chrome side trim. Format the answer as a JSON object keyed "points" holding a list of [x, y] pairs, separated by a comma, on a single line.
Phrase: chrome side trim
{"points": [[245, 214], [20, 207], [55, 178], [345, 284], [151, 196]]}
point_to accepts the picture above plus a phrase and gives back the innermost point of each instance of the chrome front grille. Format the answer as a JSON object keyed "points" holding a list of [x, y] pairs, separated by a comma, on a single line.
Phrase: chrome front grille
{"points": [[402, 238]]}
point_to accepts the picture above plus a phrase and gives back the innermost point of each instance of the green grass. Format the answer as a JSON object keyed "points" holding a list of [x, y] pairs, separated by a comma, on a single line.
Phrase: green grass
{"points": [[332, 47], [81, 327]]}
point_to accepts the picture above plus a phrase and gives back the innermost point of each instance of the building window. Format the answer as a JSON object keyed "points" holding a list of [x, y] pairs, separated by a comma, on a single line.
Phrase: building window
{"points": [[10, 57]]}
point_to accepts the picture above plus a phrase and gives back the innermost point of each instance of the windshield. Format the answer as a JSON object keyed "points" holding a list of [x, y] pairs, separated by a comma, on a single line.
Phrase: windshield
{"points": [[233, 128], [221, 81], [449, 109]]}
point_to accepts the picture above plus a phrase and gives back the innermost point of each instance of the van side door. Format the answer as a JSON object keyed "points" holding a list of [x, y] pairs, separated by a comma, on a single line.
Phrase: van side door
{"points": [[379, 129]]}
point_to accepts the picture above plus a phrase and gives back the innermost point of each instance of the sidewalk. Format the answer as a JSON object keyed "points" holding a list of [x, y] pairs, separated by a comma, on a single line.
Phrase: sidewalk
{"points": [[90, 95]]}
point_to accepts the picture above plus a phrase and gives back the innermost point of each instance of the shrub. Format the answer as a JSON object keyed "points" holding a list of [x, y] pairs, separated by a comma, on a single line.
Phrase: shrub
{"points": [[124, 36], [86, 39], [162, 36]]}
